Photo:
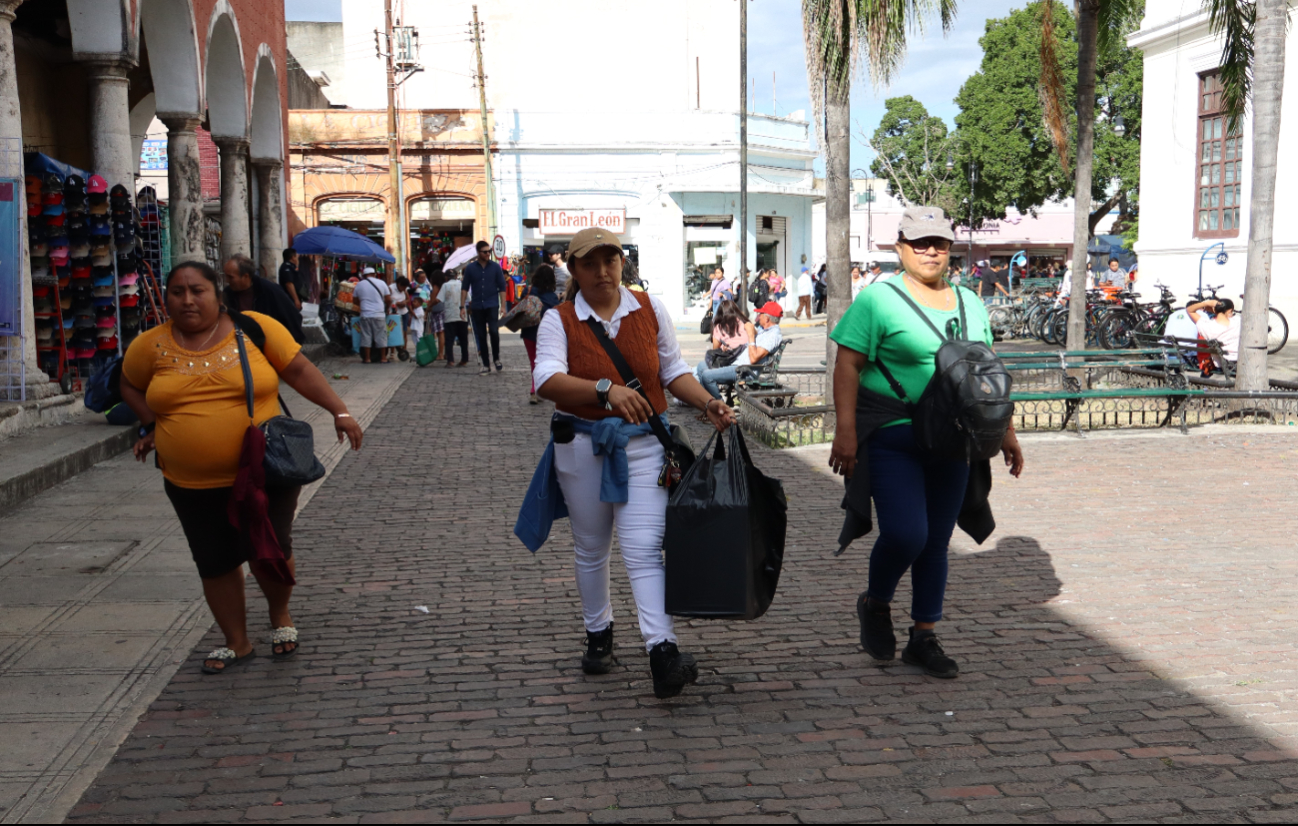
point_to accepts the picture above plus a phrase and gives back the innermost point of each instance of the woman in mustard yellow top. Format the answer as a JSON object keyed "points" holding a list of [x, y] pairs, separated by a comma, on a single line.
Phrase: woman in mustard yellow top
{"points": [[184, 381]]}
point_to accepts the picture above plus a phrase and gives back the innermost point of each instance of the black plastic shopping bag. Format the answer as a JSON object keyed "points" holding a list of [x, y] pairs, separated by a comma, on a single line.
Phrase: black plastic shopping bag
{"points": [[725, 535]]}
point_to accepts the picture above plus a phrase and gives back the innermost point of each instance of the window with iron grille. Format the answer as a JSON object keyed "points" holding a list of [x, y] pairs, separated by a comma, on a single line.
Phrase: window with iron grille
{"points": [[1220, 169]]}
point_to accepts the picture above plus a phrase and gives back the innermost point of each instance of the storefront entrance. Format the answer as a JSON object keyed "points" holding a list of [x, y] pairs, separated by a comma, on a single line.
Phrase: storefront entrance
{"points": [[439, 226], [362, 215]]}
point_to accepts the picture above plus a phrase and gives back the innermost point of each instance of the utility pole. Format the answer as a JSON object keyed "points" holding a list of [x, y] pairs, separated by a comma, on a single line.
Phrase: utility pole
{"points": [[743, 156], [396, 209], [482, 108]]}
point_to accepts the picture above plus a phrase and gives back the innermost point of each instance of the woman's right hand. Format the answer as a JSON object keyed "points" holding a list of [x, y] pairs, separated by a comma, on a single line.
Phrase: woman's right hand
{"points": [[143, 447], [842, 456], [629, 404]]}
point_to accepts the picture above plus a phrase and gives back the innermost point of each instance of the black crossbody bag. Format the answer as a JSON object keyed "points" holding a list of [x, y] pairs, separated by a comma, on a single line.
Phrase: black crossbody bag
{"points": [[675, 441], [290, 443]]}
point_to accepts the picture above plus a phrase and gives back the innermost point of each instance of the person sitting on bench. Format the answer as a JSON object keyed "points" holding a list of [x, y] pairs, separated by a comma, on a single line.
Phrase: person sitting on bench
{"points": [[768, 338], [1222, 326]]}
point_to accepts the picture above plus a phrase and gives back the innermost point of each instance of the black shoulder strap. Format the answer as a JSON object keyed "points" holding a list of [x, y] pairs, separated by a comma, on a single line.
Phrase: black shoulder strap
{"points": [[630, 379], [883, 368], [245, 326], [251, 328], [905, 297]]}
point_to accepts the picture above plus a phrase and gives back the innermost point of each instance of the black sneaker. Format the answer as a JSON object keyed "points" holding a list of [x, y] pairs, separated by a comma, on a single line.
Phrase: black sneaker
{"points": [[877, 636], [672, 670], [599, 658], [926, 652]]}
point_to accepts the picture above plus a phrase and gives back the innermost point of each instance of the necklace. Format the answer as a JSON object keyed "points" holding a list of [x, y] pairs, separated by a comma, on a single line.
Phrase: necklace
{"points": [[200, 347], [946, 300]]}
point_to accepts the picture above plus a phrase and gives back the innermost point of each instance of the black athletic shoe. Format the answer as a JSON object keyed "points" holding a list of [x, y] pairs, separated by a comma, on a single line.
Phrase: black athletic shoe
{"points": [[926, 652], [599, 658], [672, 670], [877, 636]]}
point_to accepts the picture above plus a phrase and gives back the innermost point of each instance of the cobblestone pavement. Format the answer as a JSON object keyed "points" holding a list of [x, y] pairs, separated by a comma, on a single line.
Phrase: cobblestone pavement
{"points": [[99, 604], [1126, 639]]}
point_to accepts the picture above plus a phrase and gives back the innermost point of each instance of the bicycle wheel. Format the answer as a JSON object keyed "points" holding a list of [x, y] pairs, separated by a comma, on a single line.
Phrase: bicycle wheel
{"points": [[1277, 330], [1001, 319], [1058, 330], [1116, 331]]}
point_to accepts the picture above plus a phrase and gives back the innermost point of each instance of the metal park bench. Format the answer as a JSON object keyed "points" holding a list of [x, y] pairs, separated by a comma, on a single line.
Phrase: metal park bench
{"points": [[762, 378], [1062, 367], [1191, 351]]}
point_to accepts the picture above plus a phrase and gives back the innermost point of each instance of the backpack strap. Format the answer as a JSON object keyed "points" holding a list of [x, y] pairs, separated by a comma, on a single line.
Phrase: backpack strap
{"points": [[906, 297], [630, 379], [883, 368]]}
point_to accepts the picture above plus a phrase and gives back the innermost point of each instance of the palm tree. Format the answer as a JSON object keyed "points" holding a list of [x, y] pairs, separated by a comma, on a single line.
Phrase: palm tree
{"points": [[1252, 62], [839, 34], [1099, 24]]}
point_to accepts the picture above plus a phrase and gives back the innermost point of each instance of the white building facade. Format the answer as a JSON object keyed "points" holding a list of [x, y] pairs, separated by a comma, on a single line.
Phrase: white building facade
{"points": [[622, 114], [1195, 178]]}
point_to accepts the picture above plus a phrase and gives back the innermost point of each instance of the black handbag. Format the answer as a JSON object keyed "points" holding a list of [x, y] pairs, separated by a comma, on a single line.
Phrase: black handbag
{"points": [[724, 538], [721, 357], [675, 441], [290, 443], [705, 326]]}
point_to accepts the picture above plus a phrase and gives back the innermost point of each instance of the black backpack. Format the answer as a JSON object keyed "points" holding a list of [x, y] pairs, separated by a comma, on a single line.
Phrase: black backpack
{"points": [[965, 410]]}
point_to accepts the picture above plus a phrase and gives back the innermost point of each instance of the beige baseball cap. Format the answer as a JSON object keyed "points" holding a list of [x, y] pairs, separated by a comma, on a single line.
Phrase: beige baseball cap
{"points": [[590, 239], [925, 222]]}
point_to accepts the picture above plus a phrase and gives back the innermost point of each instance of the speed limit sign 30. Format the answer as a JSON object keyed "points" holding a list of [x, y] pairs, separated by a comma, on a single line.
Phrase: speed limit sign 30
{"points": [[498, 247]]}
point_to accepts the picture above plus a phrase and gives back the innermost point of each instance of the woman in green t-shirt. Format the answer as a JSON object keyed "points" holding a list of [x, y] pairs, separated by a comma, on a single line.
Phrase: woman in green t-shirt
{"points": [[917, 497]]}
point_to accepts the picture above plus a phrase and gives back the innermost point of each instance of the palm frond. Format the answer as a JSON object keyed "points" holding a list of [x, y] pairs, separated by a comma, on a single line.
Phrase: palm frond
{"points": [[839, 34], [1234, 20], [1117, 18], [1051, 87]]}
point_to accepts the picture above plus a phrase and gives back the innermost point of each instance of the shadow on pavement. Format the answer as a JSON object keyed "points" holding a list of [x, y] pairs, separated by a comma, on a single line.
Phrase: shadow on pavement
{"points": [[477, 709]]}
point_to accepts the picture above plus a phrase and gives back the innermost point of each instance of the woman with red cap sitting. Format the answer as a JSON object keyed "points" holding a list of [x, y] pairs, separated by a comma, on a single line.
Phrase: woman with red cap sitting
{"points": [[768, 338]]}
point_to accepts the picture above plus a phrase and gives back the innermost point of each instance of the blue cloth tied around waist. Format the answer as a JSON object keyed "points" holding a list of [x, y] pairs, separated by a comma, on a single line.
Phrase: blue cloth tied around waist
{"points": [[544, 503]]}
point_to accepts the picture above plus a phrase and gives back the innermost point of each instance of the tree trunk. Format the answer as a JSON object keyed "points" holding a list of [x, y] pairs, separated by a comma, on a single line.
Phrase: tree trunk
{"points": [[1087, 31], [1268, 89], [838, 221]]}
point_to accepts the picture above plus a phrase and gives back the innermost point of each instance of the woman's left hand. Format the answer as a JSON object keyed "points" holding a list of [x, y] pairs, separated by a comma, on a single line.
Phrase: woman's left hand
{"points": [[1013, 453], [720, 415], [348, 428]]}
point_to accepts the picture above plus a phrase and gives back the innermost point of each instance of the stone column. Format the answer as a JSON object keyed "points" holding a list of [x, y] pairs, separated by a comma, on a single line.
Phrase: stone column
{"points": [[235, 235], [184, 186], [270, 200], [110, 120], [11, 134]]}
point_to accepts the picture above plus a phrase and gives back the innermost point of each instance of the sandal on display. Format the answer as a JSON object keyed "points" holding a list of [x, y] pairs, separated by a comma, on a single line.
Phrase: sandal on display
{"points": [[227, 658], [285, 640]]}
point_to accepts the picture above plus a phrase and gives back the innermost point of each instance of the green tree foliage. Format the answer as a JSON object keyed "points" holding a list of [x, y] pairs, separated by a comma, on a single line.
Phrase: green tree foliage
{"points": [[1001, 125], [911, 149]]}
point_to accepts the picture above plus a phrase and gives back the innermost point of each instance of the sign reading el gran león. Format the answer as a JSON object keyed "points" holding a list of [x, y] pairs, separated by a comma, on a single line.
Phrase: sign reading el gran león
{"points": [[572, 221]]}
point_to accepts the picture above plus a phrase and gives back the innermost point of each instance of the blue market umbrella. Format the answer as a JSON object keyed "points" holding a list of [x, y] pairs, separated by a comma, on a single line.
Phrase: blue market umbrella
{"points": [[340, 243]]}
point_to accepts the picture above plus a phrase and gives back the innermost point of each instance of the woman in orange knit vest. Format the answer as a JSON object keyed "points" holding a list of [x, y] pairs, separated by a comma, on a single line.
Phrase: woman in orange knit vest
{"points": [[604, 459]]}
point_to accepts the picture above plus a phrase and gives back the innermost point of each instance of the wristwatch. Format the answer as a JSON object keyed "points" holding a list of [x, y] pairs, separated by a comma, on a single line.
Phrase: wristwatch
{"points": [[601, 392], [146, 429]]}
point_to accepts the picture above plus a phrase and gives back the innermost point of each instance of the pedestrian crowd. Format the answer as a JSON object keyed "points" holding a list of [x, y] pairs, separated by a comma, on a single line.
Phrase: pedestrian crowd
{"points": [[604, 351]]}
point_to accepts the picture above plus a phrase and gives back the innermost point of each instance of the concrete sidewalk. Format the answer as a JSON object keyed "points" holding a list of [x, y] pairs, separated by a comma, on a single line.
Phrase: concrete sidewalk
{"points": [[99, 602]]}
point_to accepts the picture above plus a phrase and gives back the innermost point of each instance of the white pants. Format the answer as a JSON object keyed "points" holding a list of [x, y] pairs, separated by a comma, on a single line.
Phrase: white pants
{"points": [[640, 525]]}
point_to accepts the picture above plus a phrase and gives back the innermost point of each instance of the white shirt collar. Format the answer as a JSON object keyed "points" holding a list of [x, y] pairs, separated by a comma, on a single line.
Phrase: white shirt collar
{"points": [[626, 306]]}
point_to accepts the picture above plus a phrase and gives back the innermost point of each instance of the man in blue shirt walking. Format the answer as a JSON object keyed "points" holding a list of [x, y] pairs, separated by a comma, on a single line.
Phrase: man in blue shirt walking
{"points": [[485, 281]]}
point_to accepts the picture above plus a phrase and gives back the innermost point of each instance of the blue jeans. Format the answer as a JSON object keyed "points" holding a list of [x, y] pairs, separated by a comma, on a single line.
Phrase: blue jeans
{"points": [[916, 502], [709, 377]]}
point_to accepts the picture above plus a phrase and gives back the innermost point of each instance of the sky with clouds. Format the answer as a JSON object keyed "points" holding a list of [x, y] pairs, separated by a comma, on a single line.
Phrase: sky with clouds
{"points": [[934, 70]]}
